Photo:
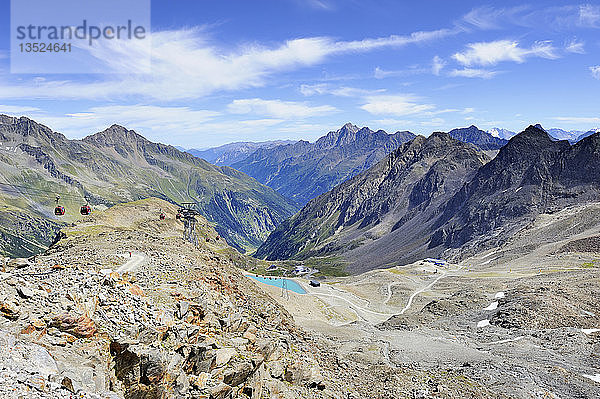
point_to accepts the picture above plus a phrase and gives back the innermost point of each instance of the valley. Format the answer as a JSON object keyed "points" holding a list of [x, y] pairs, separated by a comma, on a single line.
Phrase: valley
{"points": [[114, 166], [523, 323]]}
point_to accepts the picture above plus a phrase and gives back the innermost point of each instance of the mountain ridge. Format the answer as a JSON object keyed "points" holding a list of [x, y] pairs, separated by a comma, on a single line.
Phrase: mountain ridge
{"points": [[303, 170], [479, 138], [481, 206], [532, 174], [369, 210], [117, 165]]}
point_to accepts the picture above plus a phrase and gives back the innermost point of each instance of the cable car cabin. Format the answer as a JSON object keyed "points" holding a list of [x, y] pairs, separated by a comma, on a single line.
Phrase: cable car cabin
{"points": [[59, 211], [162, 216], [85, 210]]}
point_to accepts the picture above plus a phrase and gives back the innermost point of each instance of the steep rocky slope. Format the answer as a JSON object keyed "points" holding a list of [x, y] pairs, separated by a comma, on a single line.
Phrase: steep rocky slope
{"points": [[303, 170], [122, 307], [388, 210], [587, 134], [119, 165], [531, 175], [438, 203]]}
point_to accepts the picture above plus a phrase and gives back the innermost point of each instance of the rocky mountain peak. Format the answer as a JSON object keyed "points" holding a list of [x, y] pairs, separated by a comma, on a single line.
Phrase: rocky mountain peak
{"points": [[479, 138], [7, 120], [534, 134], [346, 134], [349, 127], [29, 130], [116, 135]]}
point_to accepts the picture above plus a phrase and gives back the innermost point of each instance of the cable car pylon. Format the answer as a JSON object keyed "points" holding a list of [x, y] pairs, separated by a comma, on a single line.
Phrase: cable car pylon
{"points": [[188, 215]]}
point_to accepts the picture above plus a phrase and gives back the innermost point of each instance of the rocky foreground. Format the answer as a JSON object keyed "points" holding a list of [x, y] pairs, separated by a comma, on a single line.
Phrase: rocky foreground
{"points": [[175, 321], [122, 307]]}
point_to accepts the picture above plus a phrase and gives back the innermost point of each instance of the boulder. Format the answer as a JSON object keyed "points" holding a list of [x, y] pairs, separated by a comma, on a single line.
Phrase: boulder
{"points": [[9, 310], [19, 263], [25, 292], [79, 326], [220, 391], [238, 374], [224, 355]]}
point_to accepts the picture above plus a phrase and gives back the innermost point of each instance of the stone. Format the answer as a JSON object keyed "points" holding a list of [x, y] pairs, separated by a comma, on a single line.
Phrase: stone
{"points": [[276, 369], [153, 365], [199, 358], [9, 310], [67, 383], [182, 384], [25, 292], [238, 341], [38, 324], [182, 309], [220, 391], [38, 382], [293, 373], [238, 374], [199, 381], [224, 355], [81, 327], [19, 263]]}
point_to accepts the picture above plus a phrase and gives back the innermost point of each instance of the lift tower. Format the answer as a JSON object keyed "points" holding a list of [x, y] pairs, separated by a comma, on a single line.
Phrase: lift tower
{"points": [[188, 214]]}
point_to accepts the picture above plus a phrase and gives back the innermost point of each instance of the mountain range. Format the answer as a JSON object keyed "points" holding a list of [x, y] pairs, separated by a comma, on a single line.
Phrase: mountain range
{"points": [[501, 133], [388, 210], [572, 136], [532, 174], [302, 170], [231, 153], [118, 165], [433, 196]]}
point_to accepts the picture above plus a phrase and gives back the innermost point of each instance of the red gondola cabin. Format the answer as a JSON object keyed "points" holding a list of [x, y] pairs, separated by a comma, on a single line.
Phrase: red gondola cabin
{"points": [[59, 210], [85, 210]]}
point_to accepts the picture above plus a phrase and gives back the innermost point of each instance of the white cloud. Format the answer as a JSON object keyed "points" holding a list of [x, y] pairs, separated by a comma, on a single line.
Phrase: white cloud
{"points": [[278, 108], [555, 18], [186, 66], [589, 15], [435, 122], [395, 123], [575, 46], [487, 17], [438, 65], [398, 105], [157, 122], [343, 91], [413, 70], [595, 71], [575, 119], [491, 53], [16, 110], [318, 4], [473, 73]]}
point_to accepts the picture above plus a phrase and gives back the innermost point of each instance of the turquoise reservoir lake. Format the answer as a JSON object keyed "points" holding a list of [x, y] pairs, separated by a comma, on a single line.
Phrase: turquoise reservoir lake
{"points": [[291, 285]]}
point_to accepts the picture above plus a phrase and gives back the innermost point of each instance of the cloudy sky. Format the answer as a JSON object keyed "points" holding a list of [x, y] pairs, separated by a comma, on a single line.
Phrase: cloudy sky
{"points": [[243, 70]]}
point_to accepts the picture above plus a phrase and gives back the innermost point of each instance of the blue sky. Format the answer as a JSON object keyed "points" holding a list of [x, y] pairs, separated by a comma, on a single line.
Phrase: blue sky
{"points": [[290, 69]]}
